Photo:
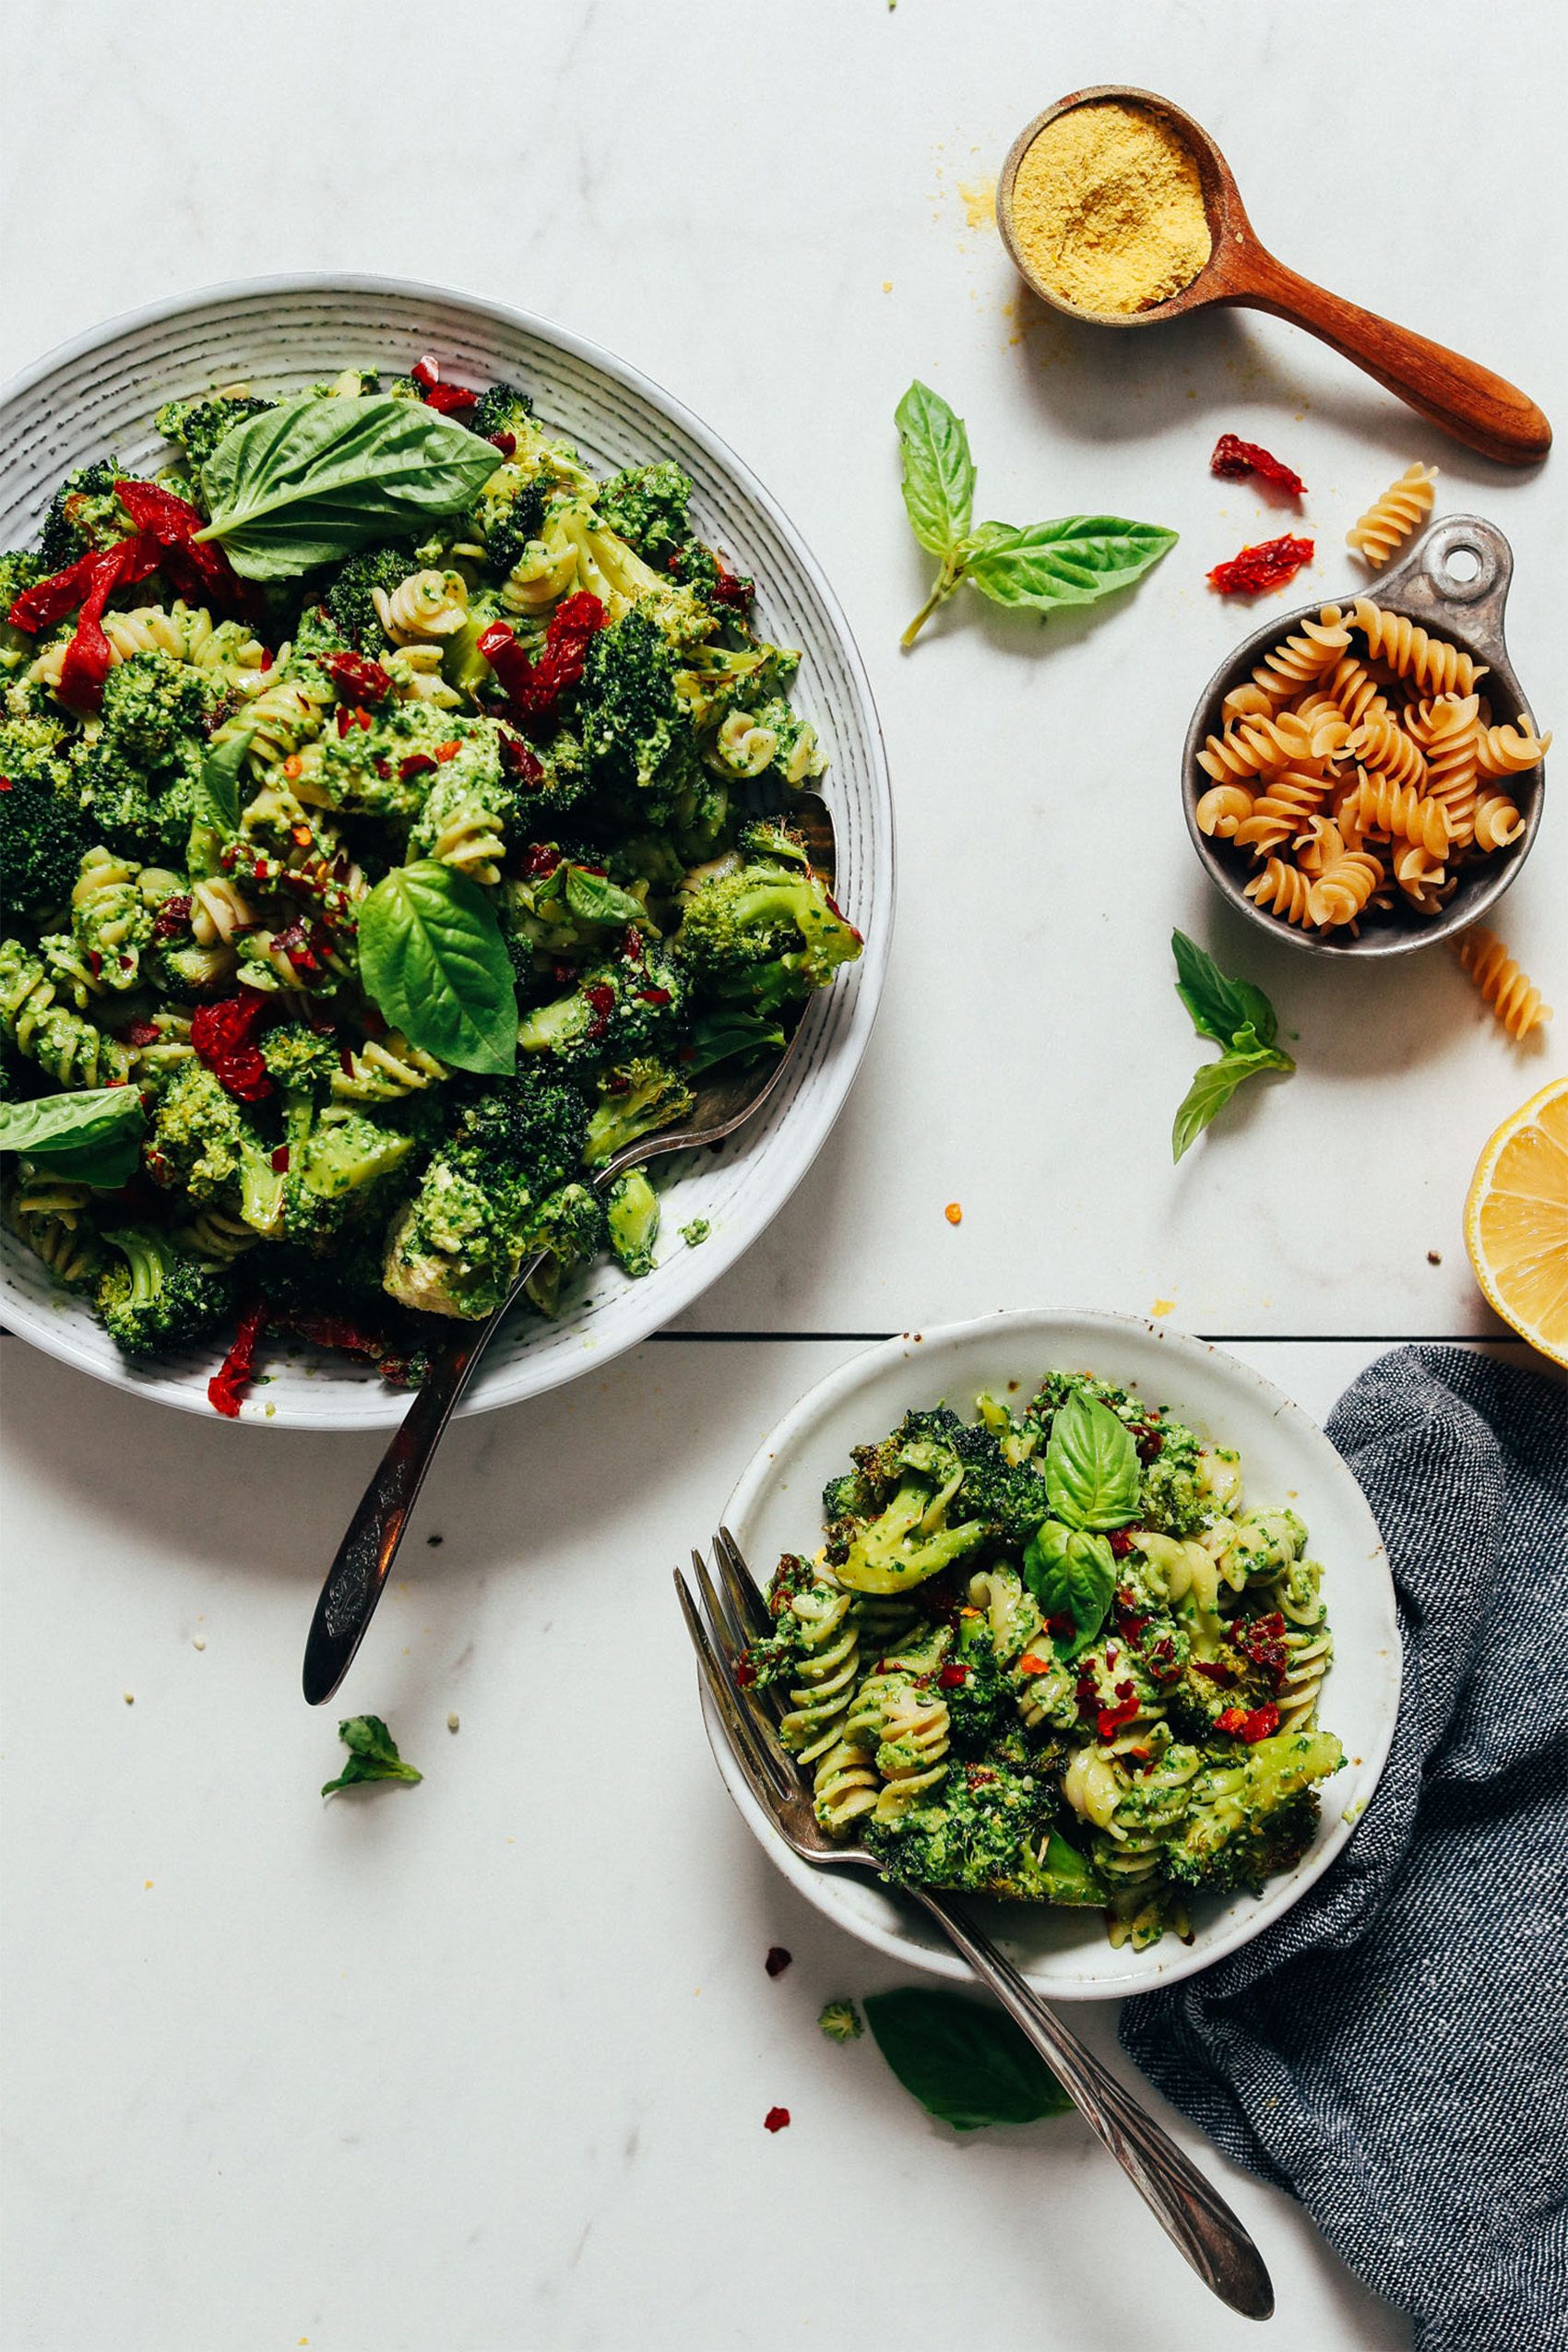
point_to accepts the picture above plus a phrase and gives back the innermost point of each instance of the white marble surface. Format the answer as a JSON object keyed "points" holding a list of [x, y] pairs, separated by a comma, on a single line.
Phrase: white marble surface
{"points": [[442, 2066]]}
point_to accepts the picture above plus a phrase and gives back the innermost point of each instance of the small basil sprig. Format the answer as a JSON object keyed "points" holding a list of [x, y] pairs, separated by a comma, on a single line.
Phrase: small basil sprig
{"points": [[432, 957], [1239, 1017], [966, 2066], [1076, 559], [93, 1138], [1091, 1477], [311, 479], [593, 899], [373, 1754], [217, 781]]}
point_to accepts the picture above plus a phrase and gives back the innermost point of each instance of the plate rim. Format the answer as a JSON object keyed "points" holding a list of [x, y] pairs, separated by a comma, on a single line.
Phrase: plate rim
{"points": [[385, 1408], [817, 1885]]}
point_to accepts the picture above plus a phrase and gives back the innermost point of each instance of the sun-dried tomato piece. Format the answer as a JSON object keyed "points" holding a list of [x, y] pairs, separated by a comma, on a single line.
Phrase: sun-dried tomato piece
{"points": [[198, 569], [237, 1371], [1126, 1708], [776, 2119], [426, 372], [224, 1038], [451, 400], [417, 764], [1234, 460], [953, 1677], [1248, 1723], [505, 442], [174, 916], [601, 1003], [358, 680], [518, 760], [1267, 565], [777, 1960], [533, 688], [1262, 1640], [538, 859], [730, 589]]}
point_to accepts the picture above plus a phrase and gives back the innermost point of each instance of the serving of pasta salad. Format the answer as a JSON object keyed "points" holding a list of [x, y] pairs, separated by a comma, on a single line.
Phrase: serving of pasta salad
{"points": [[1054, 1656], [395, 826]]}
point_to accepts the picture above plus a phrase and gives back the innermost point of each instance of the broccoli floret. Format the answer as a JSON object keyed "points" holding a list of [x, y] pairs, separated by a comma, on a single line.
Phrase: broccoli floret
{"points": [[551, 786], [911, 1537], [633, 731], [299, 1061], [1252, 1817], [983, 1830], [507, 515], [773, 1658], [638, 1098], [20, 570], [840, 2020], [349, 602], [42, 839], [975, 1706], [83, 514], [503, 408], [348, 1167], [569, 1227], [765, 933], [531, 1126], [199, 426], [726, 594], [847, 1496], [631, 1217], [141, 772], [198, 1136], [648, 506], [617, 1011], [159, 1299]]}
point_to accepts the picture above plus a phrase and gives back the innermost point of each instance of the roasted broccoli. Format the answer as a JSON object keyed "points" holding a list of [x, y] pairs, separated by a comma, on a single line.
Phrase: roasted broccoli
{"points": [[637, 1097], [348, 1167], [569, 1227], [199, 426], [139, 782], [992, 1830], [648, 506], [83, 514], [349, 602], [618, 1010], [766, 932], [42, 840], [631, 721], [502, 410], [631, 1214], [197, 1136], [298, 1060], [1253, 1816], [157, 1297]]}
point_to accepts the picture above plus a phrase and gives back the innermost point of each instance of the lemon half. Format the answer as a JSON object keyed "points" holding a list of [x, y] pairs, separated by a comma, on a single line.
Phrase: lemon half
{"points": [[1516, 1221]]}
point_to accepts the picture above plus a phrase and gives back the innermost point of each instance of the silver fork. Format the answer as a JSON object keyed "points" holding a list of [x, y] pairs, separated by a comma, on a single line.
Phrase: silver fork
{"points": [[1199, 2221]]}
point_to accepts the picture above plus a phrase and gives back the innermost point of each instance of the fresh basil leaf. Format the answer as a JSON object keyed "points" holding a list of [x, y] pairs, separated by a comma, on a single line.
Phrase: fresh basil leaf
{"points": [[966, 2066], [1076, 559], [373, 1754], [311, 479], [432, 957], [93, 1138], [1213, 1087], [1071, 1574], [1220, 1006], [217, 785], [939, 473], [595, 900], [1091, 1465]]}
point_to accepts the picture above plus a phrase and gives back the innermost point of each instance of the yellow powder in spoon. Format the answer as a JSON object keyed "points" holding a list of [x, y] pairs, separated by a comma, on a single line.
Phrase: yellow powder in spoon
{"points": [[1108, 209]]}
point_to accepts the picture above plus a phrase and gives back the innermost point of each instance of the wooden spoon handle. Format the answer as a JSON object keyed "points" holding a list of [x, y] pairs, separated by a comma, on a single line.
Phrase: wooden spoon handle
{"points": [[1477, 407]]}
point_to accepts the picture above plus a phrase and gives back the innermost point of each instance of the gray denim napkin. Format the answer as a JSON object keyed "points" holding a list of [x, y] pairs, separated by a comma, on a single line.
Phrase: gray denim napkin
{"points": [[1395, 2050]]}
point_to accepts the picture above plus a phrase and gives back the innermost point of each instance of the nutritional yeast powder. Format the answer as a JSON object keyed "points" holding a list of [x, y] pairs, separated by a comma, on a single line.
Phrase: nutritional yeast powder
{"points": [[1108, 209]]}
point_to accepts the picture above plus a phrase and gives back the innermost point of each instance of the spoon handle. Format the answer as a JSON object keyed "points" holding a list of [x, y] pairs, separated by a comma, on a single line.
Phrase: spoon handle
{"points": [[1482, 410], [358, 1575]]}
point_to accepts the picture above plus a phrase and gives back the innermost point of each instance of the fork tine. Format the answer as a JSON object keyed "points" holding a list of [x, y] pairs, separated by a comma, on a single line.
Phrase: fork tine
{"points": [[729, 1640], [741, 1583], [758, 1710], [756, 1765]]}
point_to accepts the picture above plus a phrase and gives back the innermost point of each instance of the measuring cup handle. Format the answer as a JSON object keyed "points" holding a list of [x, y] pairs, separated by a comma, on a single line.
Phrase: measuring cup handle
{"points": [[1482, 410]]}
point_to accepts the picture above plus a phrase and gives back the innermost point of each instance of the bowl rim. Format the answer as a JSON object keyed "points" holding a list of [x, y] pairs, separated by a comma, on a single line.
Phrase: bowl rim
{"points": [[1282, 1893], [382, 1409], [1483, 885]]}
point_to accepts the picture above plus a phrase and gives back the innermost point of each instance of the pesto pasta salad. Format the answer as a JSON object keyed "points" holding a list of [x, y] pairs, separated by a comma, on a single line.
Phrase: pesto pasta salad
{"points": [[395, 826], [1054, 1656]]}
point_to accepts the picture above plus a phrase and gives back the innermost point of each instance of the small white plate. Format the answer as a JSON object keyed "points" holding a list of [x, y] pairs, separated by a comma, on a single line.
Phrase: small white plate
{"points": [[777, 1507], [97, 396]]}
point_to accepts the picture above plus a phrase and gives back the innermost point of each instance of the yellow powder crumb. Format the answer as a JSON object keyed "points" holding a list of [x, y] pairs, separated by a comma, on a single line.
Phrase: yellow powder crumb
{"points": [[1165, 1306], [953, 1213], [130, 1698], [887, 285], [980, 203], [1107, 210]]}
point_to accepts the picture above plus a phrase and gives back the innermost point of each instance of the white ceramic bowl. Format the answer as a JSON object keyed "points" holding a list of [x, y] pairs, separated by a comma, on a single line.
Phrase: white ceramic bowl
{"points": [[96, 397], [1286, 1458]]}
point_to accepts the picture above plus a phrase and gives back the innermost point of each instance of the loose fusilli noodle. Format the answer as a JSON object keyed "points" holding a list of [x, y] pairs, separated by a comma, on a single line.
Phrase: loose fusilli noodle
{"points": [[1395, 516], [49, 1216], [1379, 744], [426, 607], [1345, 881], [186, 632], [385, 1069], [829, 1662], [1510, 992], [219, 910], [1300, 660]]}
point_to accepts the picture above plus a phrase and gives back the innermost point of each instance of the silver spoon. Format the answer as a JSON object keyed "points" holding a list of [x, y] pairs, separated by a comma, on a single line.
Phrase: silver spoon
{"points": [[358, 1575]]}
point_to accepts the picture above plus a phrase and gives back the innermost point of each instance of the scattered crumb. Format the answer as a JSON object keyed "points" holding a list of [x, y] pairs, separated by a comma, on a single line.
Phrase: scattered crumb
{"points": [[980, 203], [887, 285], [1165, 1306], [146, 1885], [130, 1698], [840, 2020], [198, 1641], [696, 1232], [953, 1213], [434, 1540], [1012, 1388], [1434, 1257], [777, 1960], [267, 1411], [451, 1723], [776, 2119]]}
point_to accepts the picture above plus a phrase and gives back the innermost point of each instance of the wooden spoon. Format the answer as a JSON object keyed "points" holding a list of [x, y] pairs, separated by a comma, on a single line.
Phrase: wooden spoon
{"points": [[1468, 400]]}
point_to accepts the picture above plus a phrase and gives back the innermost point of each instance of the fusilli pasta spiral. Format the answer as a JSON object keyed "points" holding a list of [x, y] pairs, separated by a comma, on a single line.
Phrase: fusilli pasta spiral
{"points": [[1510, 992], [1395, 516]]}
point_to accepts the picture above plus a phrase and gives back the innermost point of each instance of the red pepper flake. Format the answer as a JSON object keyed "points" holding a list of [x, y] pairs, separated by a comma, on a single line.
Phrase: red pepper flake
{"points": [[1120, 1542], [1034, 1664], [451, 400], [301, 836], [1223, 1675], [417, 764], [776, 2119], [953, 1677], [745, 1674], [1267, 565], [445, 752], [777, 1960], [1126, 1708], [383, 768], [1250, 1724], [1234, 460], [357, 680], [1262, 1640], [505, 442], [237, 1371], [224, 1038], [345, 720], [655, 996], [601, 1003], [95, 962]]}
